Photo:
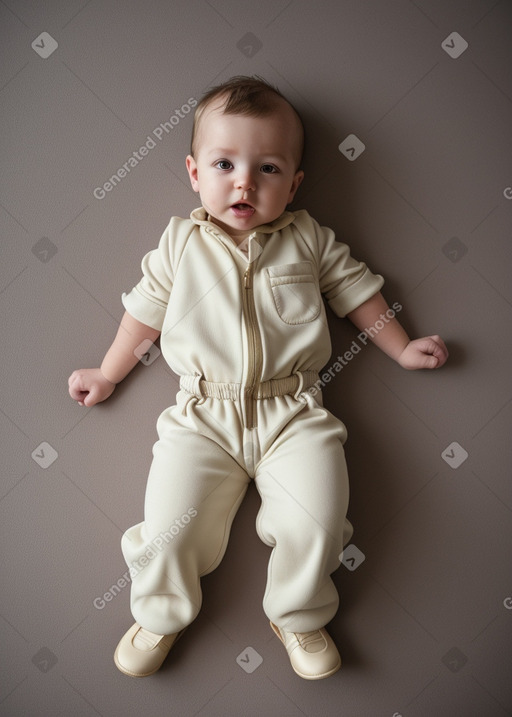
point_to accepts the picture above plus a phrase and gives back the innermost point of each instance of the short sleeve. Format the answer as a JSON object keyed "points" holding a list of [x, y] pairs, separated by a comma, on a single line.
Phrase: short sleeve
{"points": [[345, 282], [147, 301]]}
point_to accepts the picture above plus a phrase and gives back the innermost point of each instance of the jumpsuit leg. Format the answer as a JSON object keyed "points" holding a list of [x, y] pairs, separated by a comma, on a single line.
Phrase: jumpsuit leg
{"points": [[193, 491], [303, 483]]}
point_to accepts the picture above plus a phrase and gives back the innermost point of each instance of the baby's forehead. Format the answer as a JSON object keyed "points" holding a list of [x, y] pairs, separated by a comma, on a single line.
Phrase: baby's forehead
{"points": [[215, 118]]}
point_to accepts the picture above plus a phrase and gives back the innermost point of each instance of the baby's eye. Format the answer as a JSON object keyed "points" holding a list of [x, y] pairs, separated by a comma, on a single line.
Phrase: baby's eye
{"points": [[223, 164], [268, 169]]}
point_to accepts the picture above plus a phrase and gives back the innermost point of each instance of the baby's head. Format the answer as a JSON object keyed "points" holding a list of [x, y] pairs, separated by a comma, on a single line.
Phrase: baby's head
{"points": [[246, 149], [249, 97]]}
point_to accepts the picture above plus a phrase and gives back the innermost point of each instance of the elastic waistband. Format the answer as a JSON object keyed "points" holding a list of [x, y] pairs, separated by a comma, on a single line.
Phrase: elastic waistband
{"points": [[293, 385]]}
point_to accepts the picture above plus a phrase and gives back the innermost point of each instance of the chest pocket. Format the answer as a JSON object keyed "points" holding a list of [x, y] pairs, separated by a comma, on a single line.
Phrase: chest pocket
{"points": [[295, 292]]}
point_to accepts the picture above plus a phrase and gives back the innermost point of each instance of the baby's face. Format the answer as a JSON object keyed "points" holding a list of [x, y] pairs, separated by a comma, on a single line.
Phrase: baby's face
{"points": [[245, 168]]}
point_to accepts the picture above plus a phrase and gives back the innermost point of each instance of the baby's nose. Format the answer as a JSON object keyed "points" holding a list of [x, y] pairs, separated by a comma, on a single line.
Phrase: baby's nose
{"points": [[245, 180]]}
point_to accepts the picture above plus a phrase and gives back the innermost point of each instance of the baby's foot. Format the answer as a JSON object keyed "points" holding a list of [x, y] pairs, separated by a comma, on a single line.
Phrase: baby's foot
{"points": [[141, 653], [313, 655]]}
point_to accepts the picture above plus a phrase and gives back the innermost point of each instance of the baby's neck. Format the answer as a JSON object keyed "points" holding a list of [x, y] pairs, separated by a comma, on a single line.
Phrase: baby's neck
{"points": [[237, 236]]}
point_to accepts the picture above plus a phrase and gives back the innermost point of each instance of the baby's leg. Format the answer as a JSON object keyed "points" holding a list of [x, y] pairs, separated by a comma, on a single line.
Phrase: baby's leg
{"points": [[303, 483], [193, 492]]}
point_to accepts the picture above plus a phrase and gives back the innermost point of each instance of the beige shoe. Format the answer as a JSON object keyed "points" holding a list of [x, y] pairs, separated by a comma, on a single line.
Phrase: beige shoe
{"points": [[313, 655], [141, 653]]}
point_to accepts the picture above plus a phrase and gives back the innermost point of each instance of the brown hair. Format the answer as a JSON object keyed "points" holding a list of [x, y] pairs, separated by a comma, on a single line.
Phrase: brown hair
{"points": [[249, 96]]}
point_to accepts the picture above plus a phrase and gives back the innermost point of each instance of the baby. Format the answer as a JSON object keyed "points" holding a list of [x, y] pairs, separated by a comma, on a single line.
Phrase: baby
{"points": [[235, 294]]}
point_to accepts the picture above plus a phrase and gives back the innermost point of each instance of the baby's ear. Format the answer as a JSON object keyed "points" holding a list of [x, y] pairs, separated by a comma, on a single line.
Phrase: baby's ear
{"points": [[299, 176], [192, 172]]}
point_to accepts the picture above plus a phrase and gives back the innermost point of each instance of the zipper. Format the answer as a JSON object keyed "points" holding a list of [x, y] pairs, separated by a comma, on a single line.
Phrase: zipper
{"points": [[255, 353]]}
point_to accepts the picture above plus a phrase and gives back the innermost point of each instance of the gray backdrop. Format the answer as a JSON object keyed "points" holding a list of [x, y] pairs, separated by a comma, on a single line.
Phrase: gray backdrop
{"points": [[424, 87]]}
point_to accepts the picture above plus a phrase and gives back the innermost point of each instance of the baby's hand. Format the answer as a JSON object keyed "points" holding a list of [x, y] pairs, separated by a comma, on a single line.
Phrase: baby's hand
{"points": [[89, 386], [429, 352]]}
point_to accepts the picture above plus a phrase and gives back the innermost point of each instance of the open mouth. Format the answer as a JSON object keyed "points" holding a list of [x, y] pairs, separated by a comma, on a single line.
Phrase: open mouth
{"points": [[243, 210]]}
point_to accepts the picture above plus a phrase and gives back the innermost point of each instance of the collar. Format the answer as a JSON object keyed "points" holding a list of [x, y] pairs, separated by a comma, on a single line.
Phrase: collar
{"points": [[200, 217]]}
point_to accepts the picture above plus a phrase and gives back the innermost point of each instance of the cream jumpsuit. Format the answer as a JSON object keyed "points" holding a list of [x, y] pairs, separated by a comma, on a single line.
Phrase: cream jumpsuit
{"points": [[245, 328]]}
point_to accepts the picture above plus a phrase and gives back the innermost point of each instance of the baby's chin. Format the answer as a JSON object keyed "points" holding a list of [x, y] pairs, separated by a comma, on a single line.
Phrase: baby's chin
{"points": [[238, 224]]}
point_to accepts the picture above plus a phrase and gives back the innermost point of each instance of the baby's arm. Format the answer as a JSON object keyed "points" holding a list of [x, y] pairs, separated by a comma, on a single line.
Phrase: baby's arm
{"points": [[91, 385], [428, 352]]}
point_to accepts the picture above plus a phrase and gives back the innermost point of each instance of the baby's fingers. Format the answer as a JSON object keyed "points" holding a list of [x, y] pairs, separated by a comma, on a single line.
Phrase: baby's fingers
{"points": [[437, 349], [77, 390], [429, 352], [93, 396], [88, 386]]}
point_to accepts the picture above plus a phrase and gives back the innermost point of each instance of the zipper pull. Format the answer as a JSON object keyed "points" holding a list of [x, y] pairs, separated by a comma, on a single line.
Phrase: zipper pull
{"points": [[247, 279]]}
